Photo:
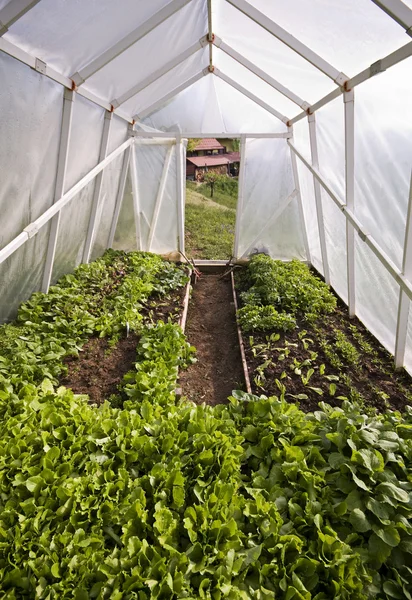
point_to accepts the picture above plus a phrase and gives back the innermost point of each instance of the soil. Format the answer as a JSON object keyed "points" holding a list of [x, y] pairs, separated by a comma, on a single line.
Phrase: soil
{"points": [[373, 376], [211, 328], [100, 367]]}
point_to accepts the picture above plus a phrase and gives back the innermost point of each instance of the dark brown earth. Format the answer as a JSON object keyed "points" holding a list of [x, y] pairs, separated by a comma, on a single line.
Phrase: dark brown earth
{"points": [[373, 377], [100, 367], [211, 328]]}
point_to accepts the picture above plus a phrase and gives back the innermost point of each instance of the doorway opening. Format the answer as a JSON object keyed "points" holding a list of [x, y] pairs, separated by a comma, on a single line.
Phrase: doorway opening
{"points": [[212, 172]]}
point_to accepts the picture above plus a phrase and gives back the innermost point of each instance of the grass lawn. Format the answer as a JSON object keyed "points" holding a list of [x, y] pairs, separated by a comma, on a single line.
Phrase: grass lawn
{"points": [[209, 232]]}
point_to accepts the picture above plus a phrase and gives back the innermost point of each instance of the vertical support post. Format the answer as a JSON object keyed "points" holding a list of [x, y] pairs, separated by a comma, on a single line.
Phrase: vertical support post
{"points": [[91, 232], [318, 197], [299, 197], [135, 194], [181, 193], [68, 104], [240, 197], [160, 194], [348, 99], [404, 302], [119, 198]]}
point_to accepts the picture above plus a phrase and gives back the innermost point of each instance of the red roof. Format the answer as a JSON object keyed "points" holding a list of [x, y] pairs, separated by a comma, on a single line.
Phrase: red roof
{"points": [[208, 144], [233, 156], [209, 161]]}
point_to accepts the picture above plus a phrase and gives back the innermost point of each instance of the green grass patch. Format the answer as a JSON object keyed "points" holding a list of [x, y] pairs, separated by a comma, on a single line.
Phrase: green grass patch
{"points": [[209, 232], [224, 194]]}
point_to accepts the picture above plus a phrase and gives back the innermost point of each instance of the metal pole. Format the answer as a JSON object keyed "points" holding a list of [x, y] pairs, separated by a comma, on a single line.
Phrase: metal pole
{"points": [[181, 193], [318, 197], [91, 232], [68, 105], [404, 301], [348, 98]]}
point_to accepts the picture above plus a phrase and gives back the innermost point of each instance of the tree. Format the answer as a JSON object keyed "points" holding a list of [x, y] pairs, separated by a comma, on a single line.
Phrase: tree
{"points": [[210, 178], [192, 143]]}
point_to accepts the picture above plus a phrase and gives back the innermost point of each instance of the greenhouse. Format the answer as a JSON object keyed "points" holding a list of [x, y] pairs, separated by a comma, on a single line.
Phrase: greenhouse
{"points": [[206, 384]]}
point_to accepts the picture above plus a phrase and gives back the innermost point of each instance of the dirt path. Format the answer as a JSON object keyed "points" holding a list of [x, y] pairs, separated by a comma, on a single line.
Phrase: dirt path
{"points": [[211, 328], [196, 198]]}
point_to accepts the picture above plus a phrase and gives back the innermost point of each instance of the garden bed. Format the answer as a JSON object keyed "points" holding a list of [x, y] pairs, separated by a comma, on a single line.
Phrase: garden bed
{"points": [[150, 495], [327, 357], [99, 367], [211, 328]]}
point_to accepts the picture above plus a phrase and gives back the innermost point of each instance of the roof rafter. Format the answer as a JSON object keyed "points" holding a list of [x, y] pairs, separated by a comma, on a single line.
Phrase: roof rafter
{"points": [[134, 36], [153, 107], [251, 96], [219, 43], [398, 11], [375, 68], [160, 72], [13, 11], [294, 44]]}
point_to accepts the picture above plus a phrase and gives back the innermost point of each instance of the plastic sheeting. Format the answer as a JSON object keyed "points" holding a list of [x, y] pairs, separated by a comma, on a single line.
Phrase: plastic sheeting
{"points": [[28, 160], [157, 233], [269, 222]]}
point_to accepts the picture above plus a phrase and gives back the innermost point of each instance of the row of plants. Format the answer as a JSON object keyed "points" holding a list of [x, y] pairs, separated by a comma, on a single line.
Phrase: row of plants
{"points": [[166, 499], [299, 336], [105, 298]]}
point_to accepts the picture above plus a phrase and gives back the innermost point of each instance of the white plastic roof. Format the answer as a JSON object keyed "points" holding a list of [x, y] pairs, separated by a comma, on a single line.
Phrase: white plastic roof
{"points": [[115, 46], [331, 186]]}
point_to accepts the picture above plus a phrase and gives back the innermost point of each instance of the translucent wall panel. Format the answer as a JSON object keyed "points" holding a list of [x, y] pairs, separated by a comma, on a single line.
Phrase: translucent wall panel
{"points": [[350, 35], [335, 233], [31, 109], [110, 185], [301, 141], [212, 105], [383, 155], [267, 223], [160, 46], [271, 55], [125, 237], [86, 134], [68, 35], [376, 295], [165, 84], [330, 127], [149, 161]]}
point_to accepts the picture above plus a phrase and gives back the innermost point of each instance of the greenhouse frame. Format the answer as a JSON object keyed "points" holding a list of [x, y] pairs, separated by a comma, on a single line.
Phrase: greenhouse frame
{"points": [[98, 100]]}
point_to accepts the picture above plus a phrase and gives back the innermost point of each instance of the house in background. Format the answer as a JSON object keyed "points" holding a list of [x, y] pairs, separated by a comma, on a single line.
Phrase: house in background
{"points": [[210, 155]]}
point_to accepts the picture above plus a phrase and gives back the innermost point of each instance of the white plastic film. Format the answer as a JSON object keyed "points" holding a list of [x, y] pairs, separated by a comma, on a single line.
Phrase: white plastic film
{"points": [[110, 185], [301, 140], [269, 222], [171, 38], [383, 156], [376, 295], [350, 35], [84, 149], [69, 35], [31, 109]]}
